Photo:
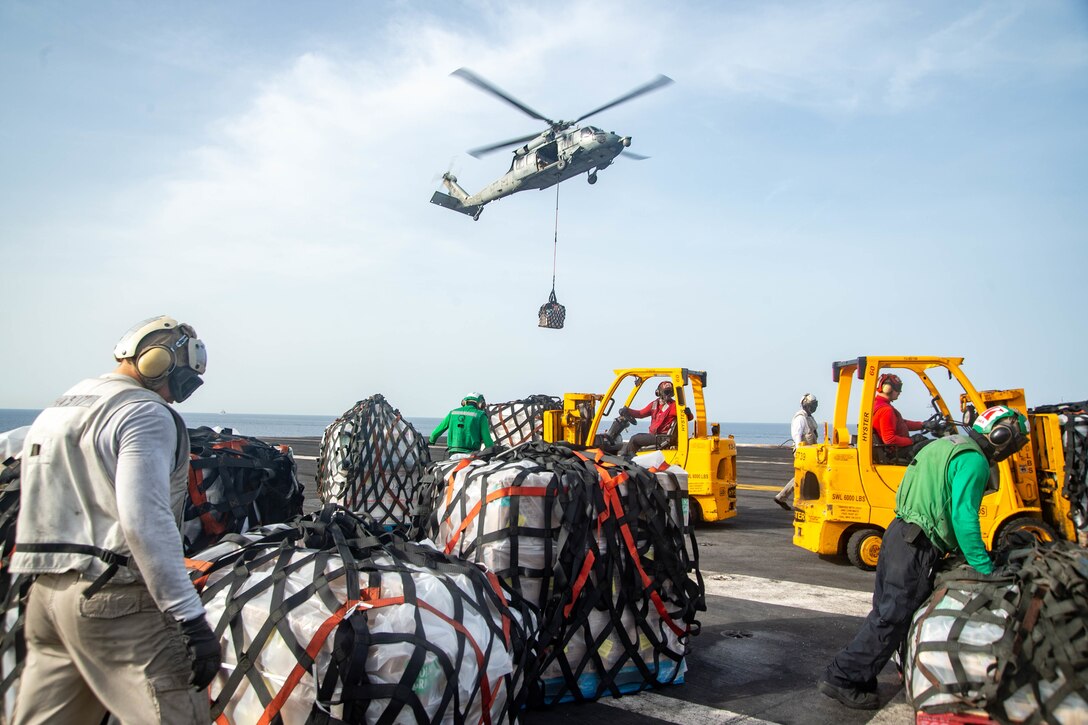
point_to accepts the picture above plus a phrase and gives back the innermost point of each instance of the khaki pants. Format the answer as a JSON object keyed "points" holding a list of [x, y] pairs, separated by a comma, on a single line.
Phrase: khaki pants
{"points": [[115, 651]]}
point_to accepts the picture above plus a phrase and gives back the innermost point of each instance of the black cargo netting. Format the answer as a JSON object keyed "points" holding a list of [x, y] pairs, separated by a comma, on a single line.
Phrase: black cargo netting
{"points": [[335, 620], [518, 421], [371, 460], [598, 544], [1073, 418], [552, 314], [13, 589], [1014, 644], [235, 483]]}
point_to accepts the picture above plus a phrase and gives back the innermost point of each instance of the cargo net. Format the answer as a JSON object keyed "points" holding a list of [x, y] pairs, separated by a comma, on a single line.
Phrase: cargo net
{"points": [[334, 620], [552, 315], [599, 545], [1073, 418], [518, 421], [1014, 644], [13, 590], [371, 460], [236, 483]]}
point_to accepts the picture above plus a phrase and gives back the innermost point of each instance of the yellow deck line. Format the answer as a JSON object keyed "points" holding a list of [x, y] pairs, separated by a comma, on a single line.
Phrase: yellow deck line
{"points": [[757, 487]]}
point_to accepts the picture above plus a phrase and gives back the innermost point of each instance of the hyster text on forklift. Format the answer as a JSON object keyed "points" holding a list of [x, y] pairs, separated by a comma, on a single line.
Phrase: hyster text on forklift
{"points": [[693, 444], [845, 486]]}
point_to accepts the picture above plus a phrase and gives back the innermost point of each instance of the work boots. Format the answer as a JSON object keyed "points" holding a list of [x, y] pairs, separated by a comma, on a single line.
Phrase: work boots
{"points": [[854, 697]]}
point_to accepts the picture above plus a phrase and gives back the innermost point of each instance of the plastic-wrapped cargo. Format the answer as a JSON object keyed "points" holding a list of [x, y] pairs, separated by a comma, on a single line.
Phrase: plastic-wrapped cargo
{"points": [[371, 460], [334, 620], [597, 543], [1073, 420], [13, 589], [1014, 645], [235, 483], [518, 421]]}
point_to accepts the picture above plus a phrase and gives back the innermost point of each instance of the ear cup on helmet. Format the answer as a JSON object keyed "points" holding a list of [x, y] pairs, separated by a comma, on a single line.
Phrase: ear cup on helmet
{"points": [[155, 362], [888, 383]]}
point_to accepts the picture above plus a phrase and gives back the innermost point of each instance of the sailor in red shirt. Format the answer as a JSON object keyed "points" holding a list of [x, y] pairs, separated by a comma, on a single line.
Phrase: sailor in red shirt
{"points": [[889, 426], [662, 412]]}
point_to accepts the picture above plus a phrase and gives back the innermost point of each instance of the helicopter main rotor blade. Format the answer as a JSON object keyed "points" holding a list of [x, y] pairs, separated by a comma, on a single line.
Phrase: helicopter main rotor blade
{"points": [[633, 156], [653, 85], [483, 150], [467, 75]]}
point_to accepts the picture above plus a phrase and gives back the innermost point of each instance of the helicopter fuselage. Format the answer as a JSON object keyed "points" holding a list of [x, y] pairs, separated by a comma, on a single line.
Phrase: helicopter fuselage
{"points": [[562, 151], [546, 161]]}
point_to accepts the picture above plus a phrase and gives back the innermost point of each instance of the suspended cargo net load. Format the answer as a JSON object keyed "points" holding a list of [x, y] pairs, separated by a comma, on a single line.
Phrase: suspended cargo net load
{"points": [[518, 421], [236, 483], [596, 543], [1014, 645], [334, 620], [371, 460], [1073, 419], [552, 315]]}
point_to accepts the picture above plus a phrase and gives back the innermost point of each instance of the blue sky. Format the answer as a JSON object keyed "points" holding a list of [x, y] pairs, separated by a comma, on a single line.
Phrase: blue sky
{"points": [[828, 180]]}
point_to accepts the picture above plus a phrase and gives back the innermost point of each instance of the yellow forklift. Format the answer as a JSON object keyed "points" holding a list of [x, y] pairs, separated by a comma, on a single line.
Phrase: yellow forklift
{"points": [[844, 492], [695, 445]]}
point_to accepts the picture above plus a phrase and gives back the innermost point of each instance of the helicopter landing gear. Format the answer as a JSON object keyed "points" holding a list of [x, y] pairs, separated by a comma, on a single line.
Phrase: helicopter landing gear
{"points": [[561, 164], [592, 178], [476, 215]]}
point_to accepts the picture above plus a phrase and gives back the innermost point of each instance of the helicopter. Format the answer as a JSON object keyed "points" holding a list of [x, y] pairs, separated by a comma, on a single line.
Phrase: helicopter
{"points": [[561, 151]]}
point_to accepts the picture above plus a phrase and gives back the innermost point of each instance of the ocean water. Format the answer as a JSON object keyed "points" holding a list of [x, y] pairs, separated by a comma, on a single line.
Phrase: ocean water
{"points": [[312, 426]]}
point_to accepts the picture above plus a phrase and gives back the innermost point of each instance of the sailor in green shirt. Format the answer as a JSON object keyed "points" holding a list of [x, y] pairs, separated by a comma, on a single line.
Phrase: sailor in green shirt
{"points": [[468, 426], [936, 513]]}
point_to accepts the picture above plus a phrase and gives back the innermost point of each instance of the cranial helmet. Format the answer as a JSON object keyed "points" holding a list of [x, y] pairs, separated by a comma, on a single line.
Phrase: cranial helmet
{"points": [[664, 389], [889, 380], [474, 399], [162, 349], [809, 403], [1005, 429]]}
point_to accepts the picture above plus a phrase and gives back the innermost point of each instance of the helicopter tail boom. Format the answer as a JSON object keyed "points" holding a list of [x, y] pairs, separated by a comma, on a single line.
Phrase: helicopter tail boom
{"points": [[449, 202], [456, 198]]}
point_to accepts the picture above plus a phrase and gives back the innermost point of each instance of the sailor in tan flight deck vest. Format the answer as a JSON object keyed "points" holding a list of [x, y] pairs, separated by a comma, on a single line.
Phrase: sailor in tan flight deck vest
{"points": [[113, 621]]}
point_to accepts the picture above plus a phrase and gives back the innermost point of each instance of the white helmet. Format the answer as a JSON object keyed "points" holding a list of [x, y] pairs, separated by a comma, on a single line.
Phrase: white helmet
{"points": [[162, 349]]}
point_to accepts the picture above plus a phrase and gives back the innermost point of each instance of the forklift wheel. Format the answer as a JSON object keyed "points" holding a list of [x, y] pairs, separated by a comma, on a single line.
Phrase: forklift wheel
{"points": [[863, 548], [695, 512], [1038, 528]]}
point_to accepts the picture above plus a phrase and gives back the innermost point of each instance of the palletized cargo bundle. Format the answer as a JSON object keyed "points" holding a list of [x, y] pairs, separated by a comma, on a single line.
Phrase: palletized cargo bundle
{"points": [[598, 544], [235, 483], [1073, 418], [371, 460], [13, 589], [1014, 645], [336, 621], [518, 421]]}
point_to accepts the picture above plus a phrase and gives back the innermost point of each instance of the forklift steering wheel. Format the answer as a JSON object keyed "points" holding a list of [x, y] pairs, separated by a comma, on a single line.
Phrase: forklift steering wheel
{"points": [[936, 424]]}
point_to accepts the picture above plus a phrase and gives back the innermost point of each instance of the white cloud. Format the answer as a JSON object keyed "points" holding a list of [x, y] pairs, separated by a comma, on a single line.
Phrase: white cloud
{"points": [[294, 231]]}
